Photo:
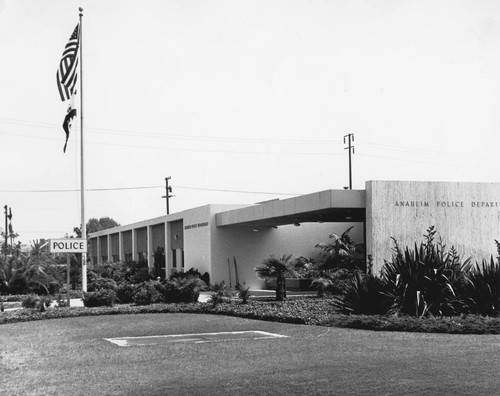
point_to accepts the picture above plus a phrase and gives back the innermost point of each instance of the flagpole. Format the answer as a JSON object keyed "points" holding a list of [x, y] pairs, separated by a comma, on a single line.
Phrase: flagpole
{"points": [[82, 177]]}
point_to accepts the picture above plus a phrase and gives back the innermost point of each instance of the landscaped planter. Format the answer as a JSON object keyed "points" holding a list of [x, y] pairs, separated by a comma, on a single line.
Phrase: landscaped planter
{"points": [[293, 284]]}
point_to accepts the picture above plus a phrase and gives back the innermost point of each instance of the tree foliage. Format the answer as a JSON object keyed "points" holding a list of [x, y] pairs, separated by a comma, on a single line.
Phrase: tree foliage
{"points": [[94, 225]]}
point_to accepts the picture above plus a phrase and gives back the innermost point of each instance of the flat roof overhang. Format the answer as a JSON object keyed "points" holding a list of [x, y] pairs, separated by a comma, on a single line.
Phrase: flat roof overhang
{"points": [[324, 206]]}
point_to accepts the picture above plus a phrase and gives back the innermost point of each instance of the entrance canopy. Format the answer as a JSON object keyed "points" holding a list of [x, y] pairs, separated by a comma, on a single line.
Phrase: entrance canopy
{"points": [[323, 206]]}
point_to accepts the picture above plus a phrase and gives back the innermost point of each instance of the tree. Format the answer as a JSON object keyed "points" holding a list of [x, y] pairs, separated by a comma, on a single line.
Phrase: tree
{"points": [[277, 268], [36, 272], [94, 225]]}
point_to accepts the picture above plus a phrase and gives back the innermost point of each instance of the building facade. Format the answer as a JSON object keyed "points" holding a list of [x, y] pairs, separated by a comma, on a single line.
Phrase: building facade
{"points": [[228, 241]]}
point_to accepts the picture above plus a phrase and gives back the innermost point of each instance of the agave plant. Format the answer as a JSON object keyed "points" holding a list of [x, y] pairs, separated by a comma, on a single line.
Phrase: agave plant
{"points": [[277, 268], [422, 281]]}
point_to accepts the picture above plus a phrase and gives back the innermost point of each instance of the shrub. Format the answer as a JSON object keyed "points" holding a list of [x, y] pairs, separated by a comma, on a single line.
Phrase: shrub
{"points": [[185, 290], [421, 281], [332, 281], [363, 295], [150, 292], [125, 293], [18, 284], [54, 287], [191, 273], [221, 293], [44, 303], [243, 293], [100, 283], [30, 301], [37, 288], [99, 298], [342, 252], [139, 274], [483, 288], [115, 271]]}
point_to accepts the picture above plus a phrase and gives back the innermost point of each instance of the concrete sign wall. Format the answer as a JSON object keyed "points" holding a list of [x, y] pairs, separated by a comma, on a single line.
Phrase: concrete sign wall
{"points": [[465, 215]]}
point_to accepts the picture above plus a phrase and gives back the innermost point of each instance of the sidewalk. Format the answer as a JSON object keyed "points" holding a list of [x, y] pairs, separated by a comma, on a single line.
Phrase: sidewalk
{"points": [[74, 302]]}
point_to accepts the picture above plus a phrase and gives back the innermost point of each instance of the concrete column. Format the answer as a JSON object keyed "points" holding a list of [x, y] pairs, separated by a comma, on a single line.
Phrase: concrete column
{"points": [[99, 257], [168, 250], [149, 244], [110, 249], [134, 245], [89, 253], [120, 246]]}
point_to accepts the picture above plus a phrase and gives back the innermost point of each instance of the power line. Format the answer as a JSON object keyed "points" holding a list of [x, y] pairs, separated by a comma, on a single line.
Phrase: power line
{"points": [[380, 146], [178, 149], [163, 134], [149, 187]]}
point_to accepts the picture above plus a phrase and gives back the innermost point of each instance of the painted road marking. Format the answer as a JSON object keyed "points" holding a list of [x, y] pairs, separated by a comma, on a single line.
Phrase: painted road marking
{"points": [[194, 338]]}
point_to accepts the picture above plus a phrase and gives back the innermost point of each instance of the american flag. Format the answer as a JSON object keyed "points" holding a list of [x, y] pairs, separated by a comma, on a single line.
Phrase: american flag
{"points": [[67, 74]]}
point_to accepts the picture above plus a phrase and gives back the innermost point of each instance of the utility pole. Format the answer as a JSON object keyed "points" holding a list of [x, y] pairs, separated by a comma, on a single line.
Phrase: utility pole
{"points": [[350, 137], [168, 190], [11, 231], [6, 234]]}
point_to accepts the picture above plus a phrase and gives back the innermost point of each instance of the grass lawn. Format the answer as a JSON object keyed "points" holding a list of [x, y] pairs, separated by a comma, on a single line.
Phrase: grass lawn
{"points": [[70, 356]]}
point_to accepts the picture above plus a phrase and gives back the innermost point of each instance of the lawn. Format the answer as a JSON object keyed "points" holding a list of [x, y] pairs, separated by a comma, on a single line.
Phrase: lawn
{"points": [[70, 356]]}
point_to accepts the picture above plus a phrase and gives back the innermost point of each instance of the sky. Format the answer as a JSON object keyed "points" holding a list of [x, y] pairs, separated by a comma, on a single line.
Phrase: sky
{"points": [[241, 102]]}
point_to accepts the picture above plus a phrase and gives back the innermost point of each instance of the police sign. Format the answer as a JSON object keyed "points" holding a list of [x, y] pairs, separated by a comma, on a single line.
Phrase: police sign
{"points": [[72, 245]]}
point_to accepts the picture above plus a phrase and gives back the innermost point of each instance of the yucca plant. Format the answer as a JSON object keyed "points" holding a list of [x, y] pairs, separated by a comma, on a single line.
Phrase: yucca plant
{"points": [[484, 288], [422, 281], [277, 268]]}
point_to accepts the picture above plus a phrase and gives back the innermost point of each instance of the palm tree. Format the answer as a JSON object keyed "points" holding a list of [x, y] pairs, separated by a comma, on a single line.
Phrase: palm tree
{"points": [[277, 268]]}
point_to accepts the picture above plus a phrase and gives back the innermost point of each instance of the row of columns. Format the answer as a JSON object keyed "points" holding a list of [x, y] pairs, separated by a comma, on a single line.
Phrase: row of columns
{"points": [[121, 248]]}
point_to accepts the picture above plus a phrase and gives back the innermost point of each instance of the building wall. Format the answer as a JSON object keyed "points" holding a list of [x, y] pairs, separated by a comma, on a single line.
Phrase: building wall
{"points": [[158, 236], [93, 249], [127, 245], [465, 215], [115, 247], [103, 251], [196, 232]]}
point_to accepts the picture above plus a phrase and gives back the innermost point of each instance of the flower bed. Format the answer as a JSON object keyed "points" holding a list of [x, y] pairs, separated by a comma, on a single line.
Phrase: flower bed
{"points": [[306, 311]]}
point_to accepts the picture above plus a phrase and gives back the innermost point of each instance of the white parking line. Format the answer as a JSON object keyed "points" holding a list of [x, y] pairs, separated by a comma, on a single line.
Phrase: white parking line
{"points": [[194, 338]]}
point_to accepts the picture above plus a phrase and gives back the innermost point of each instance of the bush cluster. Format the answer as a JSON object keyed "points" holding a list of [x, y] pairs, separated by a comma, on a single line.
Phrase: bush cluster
{"points": [[34, 301], [428, 280], [99, 298], [131, 283]]}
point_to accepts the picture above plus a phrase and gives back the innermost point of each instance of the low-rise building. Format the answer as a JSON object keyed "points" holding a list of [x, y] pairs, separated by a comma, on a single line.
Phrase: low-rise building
{"points": [[212, 238]]}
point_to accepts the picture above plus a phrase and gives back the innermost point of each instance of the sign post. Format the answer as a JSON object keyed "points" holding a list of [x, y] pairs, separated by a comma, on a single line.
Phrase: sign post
{"points": [[68, 266], [71, 245]]}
